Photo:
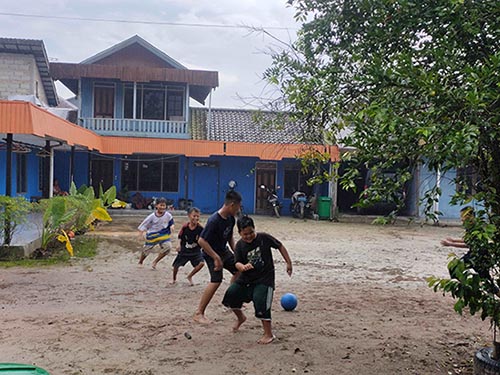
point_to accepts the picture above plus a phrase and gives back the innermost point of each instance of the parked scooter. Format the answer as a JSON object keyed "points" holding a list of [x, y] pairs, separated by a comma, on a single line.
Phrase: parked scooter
{"points": [[302, 206], [272, 200]]}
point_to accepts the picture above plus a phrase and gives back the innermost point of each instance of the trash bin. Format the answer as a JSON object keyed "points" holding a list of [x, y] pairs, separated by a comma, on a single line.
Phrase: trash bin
{"points": [[324, 207], [20, 369]]}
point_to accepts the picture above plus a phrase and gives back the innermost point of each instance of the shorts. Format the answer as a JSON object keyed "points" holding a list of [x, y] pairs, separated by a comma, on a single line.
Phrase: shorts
{"points": [[165, 248], [181, 259], [260, 294], [227, 263]]}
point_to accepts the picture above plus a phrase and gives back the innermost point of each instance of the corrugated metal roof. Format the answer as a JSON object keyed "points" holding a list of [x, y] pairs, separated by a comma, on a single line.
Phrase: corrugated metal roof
{"points": [[37, 49]]}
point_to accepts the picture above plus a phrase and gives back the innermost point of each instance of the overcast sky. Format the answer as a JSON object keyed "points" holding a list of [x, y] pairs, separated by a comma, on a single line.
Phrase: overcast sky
{"points": [[236, 53]]}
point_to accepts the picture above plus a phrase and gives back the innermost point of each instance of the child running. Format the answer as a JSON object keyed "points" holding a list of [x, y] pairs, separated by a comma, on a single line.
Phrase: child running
{"points": [[254, 259], [156, 229], [189, 250]]}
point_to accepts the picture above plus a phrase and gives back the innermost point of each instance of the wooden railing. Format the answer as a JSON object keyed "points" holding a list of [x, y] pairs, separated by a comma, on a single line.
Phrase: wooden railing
{"points": [[137, 128]]}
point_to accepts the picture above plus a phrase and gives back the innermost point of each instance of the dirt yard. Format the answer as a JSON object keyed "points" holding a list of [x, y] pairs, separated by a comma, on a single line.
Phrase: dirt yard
{"points": [[364, 308]]}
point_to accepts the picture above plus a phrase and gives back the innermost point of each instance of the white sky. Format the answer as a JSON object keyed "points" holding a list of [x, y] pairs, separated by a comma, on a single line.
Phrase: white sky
{"points": [[237, 54]]}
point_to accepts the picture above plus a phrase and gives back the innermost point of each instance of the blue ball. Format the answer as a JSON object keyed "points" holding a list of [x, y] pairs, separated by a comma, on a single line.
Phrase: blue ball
{"points": [[289, 301]]}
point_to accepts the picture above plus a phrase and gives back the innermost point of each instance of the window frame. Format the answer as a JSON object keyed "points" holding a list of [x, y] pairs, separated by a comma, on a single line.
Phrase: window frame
{"points": [[138, 161], [169, 113]]}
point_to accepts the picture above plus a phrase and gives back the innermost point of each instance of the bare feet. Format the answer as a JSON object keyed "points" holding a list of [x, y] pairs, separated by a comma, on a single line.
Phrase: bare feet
{"points": [[266, 340], [173, 282], [200, 318], [153, 266], [239, 321], [190, 280]]}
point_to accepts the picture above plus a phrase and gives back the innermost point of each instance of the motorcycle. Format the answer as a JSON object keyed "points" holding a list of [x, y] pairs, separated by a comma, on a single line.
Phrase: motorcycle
{"points": [[272, 200], [302, 206]]}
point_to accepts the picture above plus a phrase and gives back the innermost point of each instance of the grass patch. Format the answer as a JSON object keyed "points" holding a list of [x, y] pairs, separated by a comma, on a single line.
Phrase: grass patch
{"points": [[83, 247]]}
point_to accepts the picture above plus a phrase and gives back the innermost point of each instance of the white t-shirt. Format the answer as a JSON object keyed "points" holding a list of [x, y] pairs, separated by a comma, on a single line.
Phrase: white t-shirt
{"points": [[153, 223]]}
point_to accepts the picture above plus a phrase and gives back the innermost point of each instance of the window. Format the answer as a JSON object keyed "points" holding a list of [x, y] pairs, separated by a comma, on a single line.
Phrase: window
{"points": [[150, 173], [170, 175], [104, 101], [129, 174], [154, 102], [21, 162], [175, 103], [128, 103]]}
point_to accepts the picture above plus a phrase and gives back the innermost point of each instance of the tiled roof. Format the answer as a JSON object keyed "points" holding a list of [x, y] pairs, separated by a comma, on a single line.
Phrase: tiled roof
{"points": [[236, 125]]}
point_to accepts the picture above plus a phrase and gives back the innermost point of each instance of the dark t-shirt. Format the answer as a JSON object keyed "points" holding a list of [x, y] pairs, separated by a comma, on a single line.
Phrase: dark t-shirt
{"points": [[258, 252], [218, 231], [189, 239]]}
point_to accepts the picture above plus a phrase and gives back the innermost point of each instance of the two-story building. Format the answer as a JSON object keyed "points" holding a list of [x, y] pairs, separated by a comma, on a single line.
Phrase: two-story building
{"points": [[136, 130]]}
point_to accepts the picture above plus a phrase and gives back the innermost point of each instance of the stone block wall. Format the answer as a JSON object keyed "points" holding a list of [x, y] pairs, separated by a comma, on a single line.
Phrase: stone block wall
{"points": [[19, 76]]}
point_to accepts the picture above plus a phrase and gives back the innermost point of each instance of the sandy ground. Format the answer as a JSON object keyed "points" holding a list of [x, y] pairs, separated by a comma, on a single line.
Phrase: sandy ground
{"points": [[364, 308]]}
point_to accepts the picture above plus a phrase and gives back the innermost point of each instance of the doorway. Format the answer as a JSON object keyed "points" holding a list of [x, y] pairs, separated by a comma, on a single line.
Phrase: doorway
{"points": [[101, 173], [265, 175]]}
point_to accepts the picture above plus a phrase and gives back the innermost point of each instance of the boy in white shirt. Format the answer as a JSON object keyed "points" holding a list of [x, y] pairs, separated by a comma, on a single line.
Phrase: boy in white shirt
{"points": [[157, 229]]}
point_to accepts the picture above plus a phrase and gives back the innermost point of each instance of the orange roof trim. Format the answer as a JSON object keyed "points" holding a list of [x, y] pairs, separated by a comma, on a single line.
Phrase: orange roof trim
{"points": [[26, 118]]}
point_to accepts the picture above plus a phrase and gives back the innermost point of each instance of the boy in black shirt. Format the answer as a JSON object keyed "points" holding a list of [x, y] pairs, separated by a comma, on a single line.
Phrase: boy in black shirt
{"points": [[214, 240], [189, 250], [254, 260]]}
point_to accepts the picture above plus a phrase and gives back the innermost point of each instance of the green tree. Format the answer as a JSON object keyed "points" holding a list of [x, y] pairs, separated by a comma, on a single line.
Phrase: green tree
{"points": [[405, 83]]}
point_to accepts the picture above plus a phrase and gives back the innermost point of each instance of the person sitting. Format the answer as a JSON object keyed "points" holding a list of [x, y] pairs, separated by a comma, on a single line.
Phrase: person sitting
{"points": [[56, 189]]}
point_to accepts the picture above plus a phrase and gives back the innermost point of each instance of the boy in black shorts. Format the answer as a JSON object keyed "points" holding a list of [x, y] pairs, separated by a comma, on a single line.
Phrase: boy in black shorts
{"points": [[189, 250], [214, 238], [254, 260]]}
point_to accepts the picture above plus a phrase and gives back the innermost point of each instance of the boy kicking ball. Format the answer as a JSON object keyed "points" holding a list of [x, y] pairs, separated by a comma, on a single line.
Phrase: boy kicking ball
{"points": [[254, 259]]}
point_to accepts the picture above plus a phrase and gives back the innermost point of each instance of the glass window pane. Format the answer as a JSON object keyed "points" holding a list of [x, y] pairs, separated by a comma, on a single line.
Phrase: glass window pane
{"points": [[128, 102], [175, 104], [171, 176], [153, 104], [129, 175], [150, 174]]}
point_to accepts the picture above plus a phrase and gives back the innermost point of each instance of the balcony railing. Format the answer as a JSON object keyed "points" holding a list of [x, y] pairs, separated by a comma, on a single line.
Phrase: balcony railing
{"points": [[137, 128]]}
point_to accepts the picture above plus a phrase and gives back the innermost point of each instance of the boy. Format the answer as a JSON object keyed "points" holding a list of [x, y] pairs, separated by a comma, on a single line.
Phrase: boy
{"points": [[254, 260], [189, 250], [218, 232], [156, 229], [467, 217]]}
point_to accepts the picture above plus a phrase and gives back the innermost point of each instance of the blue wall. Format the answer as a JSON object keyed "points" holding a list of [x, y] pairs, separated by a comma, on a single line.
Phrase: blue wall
{"points": [[448, 189], [205, 185]]}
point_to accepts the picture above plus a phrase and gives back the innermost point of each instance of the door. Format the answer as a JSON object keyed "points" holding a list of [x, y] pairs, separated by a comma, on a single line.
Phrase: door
{"points": [[265, 175], [101, 173], [205, 186]]}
